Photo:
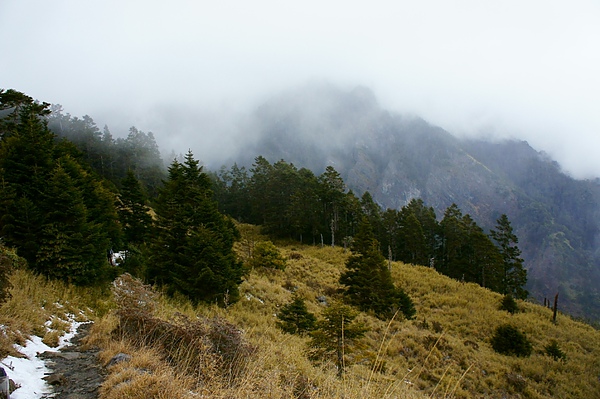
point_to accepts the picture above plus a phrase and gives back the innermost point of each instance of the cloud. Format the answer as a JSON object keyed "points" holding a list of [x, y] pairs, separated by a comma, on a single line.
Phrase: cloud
{"points": [[525, 69]]}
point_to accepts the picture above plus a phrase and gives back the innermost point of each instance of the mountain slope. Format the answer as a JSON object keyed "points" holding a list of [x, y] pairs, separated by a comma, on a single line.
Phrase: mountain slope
{"points": [[444, 352], [397, 158]]}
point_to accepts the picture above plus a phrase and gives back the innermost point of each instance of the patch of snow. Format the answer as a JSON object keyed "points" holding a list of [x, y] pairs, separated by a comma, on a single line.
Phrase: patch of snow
{"points": [[250, 297], [28, 372], [118, 257]]}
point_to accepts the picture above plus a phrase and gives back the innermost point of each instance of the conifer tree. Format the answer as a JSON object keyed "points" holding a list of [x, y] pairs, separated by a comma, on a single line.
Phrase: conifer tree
{"points": [[412, 241], [336, 334], [71, 246], [192, 252], [26, 162], [367, 279], [514, 275], [258, 189], [452, 240], [294, 317], [54, 211], [137, 224], [332, 196], [428, 224], [306, 211], [133, 212], [372, 212], [265, 254]]}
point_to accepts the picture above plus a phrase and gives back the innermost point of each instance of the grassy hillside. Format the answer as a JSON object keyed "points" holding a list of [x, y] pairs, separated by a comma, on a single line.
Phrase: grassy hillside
{"points": [[397, 158], [46, 309], [181, 351]]}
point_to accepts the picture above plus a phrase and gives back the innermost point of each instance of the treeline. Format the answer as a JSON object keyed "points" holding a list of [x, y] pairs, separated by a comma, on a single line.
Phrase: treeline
{"points": [[65, 219], [53, 207], [111, 158], [68, 200], [295, 203]]}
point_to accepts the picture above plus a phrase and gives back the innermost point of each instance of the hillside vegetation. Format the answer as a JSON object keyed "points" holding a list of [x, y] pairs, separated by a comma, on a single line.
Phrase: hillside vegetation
{"points": [[398, 158], [202, 305], [238, 351]]}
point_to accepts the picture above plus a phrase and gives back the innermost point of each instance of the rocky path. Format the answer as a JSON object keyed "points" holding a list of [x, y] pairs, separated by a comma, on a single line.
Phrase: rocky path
{"points": [[76, 373]]}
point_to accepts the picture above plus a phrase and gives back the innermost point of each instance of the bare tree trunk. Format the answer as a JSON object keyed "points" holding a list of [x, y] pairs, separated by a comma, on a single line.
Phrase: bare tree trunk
{"points": [[555, 308], [332, 233]]}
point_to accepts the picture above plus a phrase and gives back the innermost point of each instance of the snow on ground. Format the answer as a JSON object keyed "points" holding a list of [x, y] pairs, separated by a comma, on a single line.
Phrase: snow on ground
{"points": [[29, 372]]}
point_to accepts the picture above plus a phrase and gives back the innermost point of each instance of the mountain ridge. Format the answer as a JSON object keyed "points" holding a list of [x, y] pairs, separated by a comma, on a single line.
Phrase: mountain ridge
{"points": [[398, 158]]}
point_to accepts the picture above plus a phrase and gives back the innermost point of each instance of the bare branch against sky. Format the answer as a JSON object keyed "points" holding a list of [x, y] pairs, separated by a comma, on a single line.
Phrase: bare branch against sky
{"points": [[527, 69]]}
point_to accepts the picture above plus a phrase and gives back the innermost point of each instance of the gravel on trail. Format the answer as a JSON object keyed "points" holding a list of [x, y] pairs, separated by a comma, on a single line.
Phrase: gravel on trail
{"points": [[75, 373]]}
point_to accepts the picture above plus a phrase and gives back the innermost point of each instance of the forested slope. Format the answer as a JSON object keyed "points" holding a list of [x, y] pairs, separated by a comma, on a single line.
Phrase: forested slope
{"points": [[398, 158]]}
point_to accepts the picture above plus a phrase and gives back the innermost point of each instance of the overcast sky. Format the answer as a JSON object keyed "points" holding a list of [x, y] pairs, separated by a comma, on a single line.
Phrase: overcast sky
{"points": [[526, 69]]}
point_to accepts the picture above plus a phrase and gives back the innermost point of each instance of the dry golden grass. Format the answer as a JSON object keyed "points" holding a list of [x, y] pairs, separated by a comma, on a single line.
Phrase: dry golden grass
{"points": [[44, 308], [468, 314], [146, 375], [444, 352], [278, 368]]}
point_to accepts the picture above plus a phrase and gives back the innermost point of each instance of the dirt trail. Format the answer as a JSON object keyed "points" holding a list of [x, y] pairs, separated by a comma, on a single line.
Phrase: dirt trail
{"points": [[75, 373]]}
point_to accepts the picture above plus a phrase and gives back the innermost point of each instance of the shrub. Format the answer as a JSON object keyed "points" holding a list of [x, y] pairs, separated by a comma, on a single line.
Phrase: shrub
{"points": [[336, 335], [509, 304], [267, 255], [194, 346], [294, 318], [9, 260], [553, 350], [508, 340]]}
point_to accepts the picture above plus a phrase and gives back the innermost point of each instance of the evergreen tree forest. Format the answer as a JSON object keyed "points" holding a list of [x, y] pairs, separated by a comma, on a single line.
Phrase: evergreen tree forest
{"points": [[71, 195], [292, 203], [67, 206]]}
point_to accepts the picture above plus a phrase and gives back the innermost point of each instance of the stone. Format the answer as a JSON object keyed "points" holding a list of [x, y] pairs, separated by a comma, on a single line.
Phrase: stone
{"points": [[55, 379], [118, 358]]}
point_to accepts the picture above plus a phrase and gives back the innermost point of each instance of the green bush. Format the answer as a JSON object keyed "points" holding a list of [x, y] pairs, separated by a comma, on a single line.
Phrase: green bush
{"points": [[294, 318], [265, 254], [553, 350], [508, 340], [9, 260], [509, 304]]}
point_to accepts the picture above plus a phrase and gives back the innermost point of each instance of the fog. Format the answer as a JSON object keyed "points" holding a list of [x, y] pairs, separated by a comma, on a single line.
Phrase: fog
{"points": [[192, 72]]}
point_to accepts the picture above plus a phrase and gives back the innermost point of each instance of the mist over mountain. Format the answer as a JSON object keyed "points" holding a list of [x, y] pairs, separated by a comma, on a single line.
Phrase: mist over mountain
{"points": [[397, 157]]}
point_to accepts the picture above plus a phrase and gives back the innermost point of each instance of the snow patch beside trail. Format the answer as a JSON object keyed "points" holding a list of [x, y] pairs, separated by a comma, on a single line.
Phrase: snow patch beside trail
{"points": [[29, 372]]}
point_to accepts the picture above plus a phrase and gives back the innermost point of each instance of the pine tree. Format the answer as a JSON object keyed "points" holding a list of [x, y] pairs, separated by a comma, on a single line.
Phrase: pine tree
{"points": [[372, 212], [26, 162], [332, 196], [413, 241], [514, 275], [294, 318], [192, 252], [137, 224], [453, 238], [306, 210], [336, 334], [428, 225], [72, 247], [133, 212], [482, 260], [283, 183], [259, 190], [367, 279]]}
